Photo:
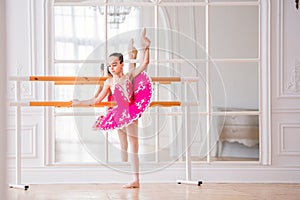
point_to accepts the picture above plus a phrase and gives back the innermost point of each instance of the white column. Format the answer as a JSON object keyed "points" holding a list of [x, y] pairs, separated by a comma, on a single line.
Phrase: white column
{"points": [[265, 140], [3, 185]]}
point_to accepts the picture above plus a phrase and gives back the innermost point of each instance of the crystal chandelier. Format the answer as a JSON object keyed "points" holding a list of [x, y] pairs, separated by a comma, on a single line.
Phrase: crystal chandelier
{"points": [[116, 15]]}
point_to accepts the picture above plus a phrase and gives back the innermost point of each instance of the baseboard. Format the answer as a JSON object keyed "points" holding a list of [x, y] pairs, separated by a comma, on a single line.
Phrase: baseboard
{"points": [[207, 174]]}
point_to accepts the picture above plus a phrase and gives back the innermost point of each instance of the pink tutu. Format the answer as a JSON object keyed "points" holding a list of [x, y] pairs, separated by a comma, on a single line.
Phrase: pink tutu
{"points": [[132, 100]]}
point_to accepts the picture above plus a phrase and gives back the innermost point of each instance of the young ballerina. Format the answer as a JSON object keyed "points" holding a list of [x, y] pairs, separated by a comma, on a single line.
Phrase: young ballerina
{"points": [[132, 92], [132, 54]]}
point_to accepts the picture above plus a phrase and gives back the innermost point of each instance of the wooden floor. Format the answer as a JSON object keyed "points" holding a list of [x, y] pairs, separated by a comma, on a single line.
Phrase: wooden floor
{"points": [[208, 191]]}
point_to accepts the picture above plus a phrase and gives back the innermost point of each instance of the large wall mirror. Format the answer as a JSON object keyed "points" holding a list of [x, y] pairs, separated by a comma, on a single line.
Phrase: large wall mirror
{"points": [[216, 42]]}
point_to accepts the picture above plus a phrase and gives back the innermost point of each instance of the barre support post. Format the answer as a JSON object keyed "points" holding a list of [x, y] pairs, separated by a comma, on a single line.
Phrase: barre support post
{"points": [[18, 174], [188, 168]]}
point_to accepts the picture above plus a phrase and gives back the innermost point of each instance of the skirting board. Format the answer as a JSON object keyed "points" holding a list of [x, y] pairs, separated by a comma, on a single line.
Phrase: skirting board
{"points": [[57, 175]]}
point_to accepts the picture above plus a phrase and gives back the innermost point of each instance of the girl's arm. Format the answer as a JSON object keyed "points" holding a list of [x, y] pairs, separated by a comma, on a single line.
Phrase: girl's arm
{"points": [[99, 90], [90, 102], [101, 75]]}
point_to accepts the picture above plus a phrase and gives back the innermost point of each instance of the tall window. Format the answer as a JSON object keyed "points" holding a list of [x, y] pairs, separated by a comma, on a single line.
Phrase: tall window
{"points": [[213, 45]]}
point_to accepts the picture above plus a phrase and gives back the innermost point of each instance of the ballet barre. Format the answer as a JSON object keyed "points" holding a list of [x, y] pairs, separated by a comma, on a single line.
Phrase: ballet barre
{"points": [[73, 80]]}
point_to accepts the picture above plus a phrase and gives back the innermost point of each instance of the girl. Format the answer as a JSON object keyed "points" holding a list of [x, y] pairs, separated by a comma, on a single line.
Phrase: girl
{"points": [[132, 53], [132, 92]]}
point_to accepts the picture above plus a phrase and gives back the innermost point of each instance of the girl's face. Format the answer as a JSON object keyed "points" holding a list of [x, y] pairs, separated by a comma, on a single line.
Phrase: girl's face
{"points": [[114, 65]]}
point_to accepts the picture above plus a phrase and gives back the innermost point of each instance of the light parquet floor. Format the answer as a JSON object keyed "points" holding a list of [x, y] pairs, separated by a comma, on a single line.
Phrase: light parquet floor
{"points": [[157, 191]]}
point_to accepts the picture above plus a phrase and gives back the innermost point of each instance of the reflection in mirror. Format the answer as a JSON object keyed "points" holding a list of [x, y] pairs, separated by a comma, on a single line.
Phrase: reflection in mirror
{"points": [[74, 1], [182, 40], [199, 138], [235, 85], [234, 32], [233, 0], [76, 32], [183, 1], [224, 99], [235, 137]]}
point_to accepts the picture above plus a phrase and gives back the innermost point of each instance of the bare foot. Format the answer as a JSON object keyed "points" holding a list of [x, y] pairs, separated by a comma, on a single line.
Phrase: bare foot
{"points": [[132, 51], [134, 184], [145, 42]]}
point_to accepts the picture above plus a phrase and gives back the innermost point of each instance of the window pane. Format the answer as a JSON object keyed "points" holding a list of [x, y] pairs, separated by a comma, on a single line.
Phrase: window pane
{"points": [[75, 1], [234, 0], [162, 123], [198, 135], [235, 85], [234, 31], [69, 92], [119, 35], [117, 1], [177, 38], [79, 69], [78, 31], [170, 134], [235, 137], [71, 145], [183, 0]]}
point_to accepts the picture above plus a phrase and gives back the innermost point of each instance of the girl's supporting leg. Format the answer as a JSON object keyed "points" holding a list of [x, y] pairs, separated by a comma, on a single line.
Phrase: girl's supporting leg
{"points": [[123, 144], [132, 133]]}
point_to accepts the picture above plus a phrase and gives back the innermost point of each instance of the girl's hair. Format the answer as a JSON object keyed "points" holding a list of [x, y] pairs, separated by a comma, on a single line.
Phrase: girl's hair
{"points": [[118, 55]]}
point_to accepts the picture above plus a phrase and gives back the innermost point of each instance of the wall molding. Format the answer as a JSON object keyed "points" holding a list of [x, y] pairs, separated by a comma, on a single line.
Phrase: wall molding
{"points": [[26, 112], [294, 81], [31, 131], [285, 110], [285, 92], [281, 142]]}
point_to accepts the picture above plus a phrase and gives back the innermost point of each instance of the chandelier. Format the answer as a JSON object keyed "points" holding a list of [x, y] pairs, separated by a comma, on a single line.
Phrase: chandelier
{"points": [[116, 15]]}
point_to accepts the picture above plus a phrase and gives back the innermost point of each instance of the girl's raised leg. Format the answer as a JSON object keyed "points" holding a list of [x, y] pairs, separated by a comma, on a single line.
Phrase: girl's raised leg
{"points": [[132, 54]]}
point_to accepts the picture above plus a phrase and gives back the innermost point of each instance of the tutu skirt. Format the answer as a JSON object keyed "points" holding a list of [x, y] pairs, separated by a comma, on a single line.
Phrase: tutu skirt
{"points": [[130, 104]]}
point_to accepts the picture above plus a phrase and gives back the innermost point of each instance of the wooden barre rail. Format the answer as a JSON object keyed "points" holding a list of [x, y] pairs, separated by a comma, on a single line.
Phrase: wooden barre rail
{"points": [[79, 82], [94, 82], [72, 80], [101, 104]]}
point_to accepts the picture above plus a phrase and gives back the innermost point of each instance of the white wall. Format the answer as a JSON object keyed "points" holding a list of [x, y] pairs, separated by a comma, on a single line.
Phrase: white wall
{"points": [[285, 84], [3, 100]]}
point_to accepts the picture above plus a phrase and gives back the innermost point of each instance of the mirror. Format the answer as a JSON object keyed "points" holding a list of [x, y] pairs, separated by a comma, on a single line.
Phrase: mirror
{"points": [[223, 109]]}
